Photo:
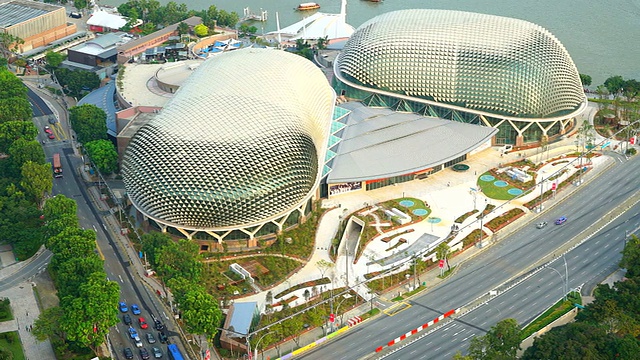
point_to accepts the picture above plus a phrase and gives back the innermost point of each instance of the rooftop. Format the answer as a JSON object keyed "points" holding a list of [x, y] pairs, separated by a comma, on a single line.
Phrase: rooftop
{"points": [[17, 11], [242, 317], [408, 142]]}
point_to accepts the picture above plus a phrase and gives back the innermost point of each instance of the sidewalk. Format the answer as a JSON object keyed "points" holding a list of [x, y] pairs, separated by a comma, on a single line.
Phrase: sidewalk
{"points": [[25, 311]]}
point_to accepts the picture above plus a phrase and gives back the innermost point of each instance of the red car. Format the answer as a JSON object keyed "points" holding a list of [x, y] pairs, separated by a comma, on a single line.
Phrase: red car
{"points": [[51, 136], [48, 130], [143, 323]]}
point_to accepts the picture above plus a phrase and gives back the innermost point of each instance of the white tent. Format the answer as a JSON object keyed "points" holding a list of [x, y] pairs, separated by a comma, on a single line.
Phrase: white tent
{"points": [[106, 20]]}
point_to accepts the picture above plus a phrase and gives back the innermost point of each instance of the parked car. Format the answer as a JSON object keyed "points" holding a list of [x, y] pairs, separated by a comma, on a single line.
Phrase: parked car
{"points": [[128, 354], [150, 338], [48, 130], [123, 306], [541, 224], [135, 309], [126, 319], [157, 353], [137, 341], [51, 136], [561, 220], [132, 332], [144, 354], [162, 336], [159, 325], [143, 323], [52, 120]]}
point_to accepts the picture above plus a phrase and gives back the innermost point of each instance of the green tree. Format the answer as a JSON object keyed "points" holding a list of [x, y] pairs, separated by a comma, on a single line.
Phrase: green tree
{"points": [[6, 354], [103, 153], [15, 109], [200, 311], [179, 260], [442, 252], [36, 180], [201, 30], [58, 207], [23, 151], [80, 4], [89, 122], [54, 59], [322, 43], [12, 130], [47, 326], [9, 44], [152, 243], [631, 257], [183, 28], [11, 86], [501, 342], [74, 82], [58, 225], [88, 317], [614, 84], [74, 272], [631, 88], [585, 80]]}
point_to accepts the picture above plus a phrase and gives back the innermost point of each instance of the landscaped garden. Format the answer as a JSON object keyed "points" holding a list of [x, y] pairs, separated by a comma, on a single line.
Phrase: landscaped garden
{"points": [[5, 310], [266, 271]]}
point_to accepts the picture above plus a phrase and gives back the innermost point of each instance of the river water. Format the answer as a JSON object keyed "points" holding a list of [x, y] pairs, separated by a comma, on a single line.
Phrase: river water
{"points": [[603, 37]]}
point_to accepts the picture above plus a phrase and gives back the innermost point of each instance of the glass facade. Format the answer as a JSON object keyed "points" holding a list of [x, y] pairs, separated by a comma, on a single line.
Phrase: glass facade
{"points": [[466, 67]]}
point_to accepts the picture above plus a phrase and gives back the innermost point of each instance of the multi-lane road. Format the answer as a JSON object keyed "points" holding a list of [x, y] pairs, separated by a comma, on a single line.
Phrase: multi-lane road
{"points": [[89, 217], [510, 258]]}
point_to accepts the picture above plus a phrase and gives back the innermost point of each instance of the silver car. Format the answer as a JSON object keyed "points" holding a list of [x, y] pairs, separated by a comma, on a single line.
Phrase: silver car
{"points": [[150, 338], [541, 224]]}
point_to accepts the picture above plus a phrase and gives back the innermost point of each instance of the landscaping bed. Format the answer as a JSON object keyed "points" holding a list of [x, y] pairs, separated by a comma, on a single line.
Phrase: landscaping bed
{"points": [[549, 193], [311, 283], [553, 313], [11, 341], [504, 219], [464, 216]]}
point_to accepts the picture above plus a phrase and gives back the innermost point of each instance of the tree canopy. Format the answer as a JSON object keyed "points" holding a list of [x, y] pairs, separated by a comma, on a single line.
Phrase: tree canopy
{"points": [[201, 30], [614, 84], [585, 79], [89, 122], [36, 180], [501, 342], [75, 82], [54, 59], [104, 155], [11, 131], [14, 104]]}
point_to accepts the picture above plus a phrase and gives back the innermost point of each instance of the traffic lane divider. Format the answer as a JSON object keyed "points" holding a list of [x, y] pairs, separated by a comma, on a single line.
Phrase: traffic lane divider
{"points": [[418, 329]]}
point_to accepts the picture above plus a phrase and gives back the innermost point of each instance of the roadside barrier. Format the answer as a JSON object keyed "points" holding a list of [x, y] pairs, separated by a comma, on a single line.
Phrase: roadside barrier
{"points": [[418, 329]]}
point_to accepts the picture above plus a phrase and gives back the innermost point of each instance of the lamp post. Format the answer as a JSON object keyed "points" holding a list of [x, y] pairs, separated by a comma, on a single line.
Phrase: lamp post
{"points": [[541, 193], [565, 285], [255, 350]]}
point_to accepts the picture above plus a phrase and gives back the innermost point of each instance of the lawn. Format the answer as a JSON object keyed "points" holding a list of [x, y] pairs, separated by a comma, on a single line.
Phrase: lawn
{"points": [[5, 310], [556, 311], [11, 340], [494, 192]]}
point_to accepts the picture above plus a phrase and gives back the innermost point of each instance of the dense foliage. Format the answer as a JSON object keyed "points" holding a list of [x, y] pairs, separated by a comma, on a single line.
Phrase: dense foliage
{"points": [[156, 16], [179, 266], [77, 82], [89, 123], [14, 104], [88, 300], [104, 155]]}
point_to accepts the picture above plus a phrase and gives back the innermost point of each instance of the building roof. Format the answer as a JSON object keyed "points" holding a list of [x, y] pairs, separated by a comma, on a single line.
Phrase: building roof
{"points": [[380, 143], [17, 11], [233, 148], [107, 20], [99, 45], [192, 21], [316, 26], [488, 63], [242, 318]]}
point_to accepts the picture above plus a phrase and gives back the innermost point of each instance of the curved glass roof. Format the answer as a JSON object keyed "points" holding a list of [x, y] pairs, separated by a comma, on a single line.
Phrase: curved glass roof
{"points": [[234, 147], [488, 63]]}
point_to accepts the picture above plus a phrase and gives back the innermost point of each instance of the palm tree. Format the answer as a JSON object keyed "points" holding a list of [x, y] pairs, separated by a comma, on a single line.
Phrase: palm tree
{"points": [[442, 252]]}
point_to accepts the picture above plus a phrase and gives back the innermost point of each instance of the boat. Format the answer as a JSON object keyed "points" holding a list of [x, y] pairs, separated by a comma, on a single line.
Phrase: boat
{"points": [[308, 6]]}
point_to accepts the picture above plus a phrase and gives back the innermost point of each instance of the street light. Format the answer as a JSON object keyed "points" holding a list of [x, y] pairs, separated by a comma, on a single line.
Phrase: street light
{"points": [[255, 350], [565, 285]]}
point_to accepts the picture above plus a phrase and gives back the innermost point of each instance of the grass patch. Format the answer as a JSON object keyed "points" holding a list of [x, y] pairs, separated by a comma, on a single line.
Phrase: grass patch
{"points": [[5, 310], [464, 217], [553, 313], [447, 273], [398, 298], [499, 193], [370, 313], [11, 341], [414, 291], [505, 219]]}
